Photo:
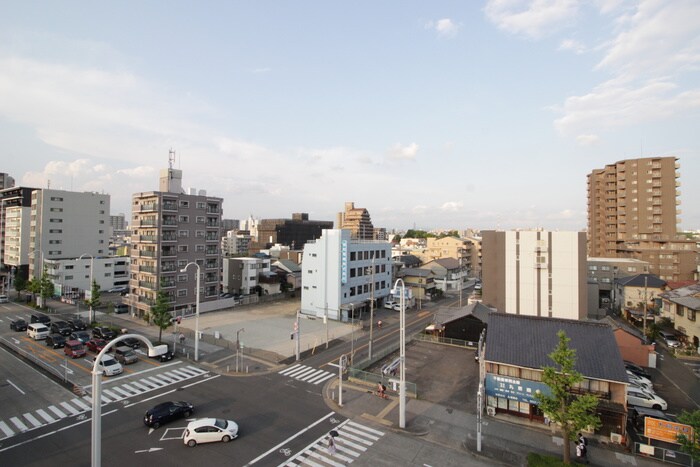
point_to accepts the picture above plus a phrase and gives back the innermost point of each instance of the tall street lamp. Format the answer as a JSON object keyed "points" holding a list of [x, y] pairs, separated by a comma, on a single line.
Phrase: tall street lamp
{"points": [[90, 286], [196, 319], [238, 349], [402, 355]]}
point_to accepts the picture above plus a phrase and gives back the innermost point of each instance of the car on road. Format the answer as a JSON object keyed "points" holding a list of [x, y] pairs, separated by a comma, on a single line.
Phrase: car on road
{"points": [[18, 325], [477, 286], [55, 341], [645, 399], [226, 295], [96, 345], [4, 299], [37, 331], [82, 336], [125, 355], [109, 366], [77, 324], [671, 341], [118, 289], [102, 332], [74, 349], [121, 308], [389, 305], [40, 318], [167, 412], [61, 327], [132, 342], [209, 430]]}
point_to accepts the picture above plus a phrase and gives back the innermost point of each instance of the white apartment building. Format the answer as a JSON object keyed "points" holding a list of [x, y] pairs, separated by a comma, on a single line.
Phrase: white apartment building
{"points": [[236, 242], [340, 274], [73, 275], [17, 236], [242, 275], [67, 224], [535, 273]]}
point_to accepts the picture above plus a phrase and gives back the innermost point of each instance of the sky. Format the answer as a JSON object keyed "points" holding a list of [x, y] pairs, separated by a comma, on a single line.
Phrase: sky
{"points": [[431, 115]]}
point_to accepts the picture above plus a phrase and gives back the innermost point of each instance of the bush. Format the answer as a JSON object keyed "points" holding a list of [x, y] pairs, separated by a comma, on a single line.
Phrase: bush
{"points": [[543, 460]]}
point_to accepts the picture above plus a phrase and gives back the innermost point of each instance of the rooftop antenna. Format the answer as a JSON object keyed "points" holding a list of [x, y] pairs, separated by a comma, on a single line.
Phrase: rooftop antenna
{"points": [[171, 158]]}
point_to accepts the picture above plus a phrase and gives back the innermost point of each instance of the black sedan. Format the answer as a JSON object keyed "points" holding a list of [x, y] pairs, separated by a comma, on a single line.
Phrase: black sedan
{"points": [[77, 324], [18, 325], [57, 341], [166, 412], [105, 333], [132, 342]]}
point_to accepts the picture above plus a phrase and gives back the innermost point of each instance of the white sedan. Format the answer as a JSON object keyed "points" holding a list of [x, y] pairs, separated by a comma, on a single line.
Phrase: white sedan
{"points": [[209, 430]]}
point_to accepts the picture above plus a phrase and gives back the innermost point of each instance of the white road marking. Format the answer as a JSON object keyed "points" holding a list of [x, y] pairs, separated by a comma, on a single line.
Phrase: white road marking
{"points": [[324, 378], [32, 420], [81, 404], [55, 410], [111, 394], [45, 416], [69, 408], [18, 423], [6, 429], [15, 386]]}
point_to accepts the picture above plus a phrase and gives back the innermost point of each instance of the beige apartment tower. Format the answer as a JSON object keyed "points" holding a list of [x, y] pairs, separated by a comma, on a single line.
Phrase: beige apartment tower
{"points": [[357, 221]]}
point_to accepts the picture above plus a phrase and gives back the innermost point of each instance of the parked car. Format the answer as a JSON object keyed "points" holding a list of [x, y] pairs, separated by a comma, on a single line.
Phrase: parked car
{"points": [[37, 331], [671, 340], [118, 289], [125, 355], [77, 324], [637, 415], [636, 369], [389, 305], [132, 342], [81, 336], [40, 318], [226, 295], [109, 366], [102, 332], [55, 341], [208, 430], [61, 327], [74, 349], [18, 325], [477, 286], [637, 385], [121, 308], [167, 412], [645, 399], [640, 381], [96, 345], [4, 299]]}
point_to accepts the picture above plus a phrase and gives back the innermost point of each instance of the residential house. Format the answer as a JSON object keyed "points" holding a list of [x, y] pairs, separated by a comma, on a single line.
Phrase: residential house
{"points": [[420, 281], [682, 305], [448, 273], [632, 293], [634, 347]]}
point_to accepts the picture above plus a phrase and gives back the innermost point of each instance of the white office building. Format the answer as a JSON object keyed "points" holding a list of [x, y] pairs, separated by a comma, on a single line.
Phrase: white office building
{"points": [[340, 275]]}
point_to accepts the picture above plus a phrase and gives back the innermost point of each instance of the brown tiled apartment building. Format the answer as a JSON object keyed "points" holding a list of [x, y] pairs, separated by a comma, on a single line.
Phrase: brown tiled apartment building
{"points": [[632, 213]]}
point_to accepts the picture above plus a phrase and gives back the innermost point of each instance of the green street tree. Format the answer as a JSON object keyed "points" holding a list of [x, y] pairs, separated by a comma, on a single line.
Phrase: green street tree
{"points": [[45, 287], [690, 445], [20, 284], [94, 301], [160, 313], [571, 412]]}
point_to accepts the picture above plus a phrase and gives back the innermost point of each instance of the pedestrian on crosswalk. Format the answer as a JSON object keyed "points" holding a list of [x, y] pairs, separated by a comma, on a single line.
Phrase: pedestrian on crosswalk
{"points": [[331, 445]]}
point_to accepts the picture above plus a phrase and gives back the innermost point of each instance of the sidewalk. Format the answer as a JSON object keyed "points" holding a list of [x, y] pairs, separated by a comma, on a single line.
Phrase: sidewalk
{"points": [[505, 440]]}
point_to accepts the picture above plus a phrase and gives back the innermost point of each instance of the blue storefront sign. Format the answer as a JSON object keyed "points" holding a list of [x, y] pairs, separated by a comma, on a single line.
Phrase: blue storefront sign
{"points": [[344, 262], [515, 389]]}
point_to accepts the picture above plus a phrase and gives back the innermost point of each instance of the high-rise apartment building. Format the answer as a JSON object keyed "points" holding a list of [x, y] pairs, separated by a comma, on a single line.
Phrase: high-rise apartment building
{"points": [[535, 272], [357, 221], [66, 224], [6, 181], [171, 229], [633, 213]]}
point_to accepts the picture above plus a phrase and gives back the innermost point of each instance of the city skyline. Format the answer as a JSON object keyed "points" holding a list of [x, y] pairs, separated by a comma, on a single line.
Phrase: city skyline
{"points": [[432, 116]]}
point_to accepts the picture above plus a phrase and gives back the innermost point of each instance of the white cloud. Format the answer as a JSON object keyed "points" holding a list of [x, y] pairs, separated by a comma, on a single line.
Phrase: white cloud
{"points": [[587, 140], [403, 152], [531, 18], [444, 27], [452, 206], [573, 45]]}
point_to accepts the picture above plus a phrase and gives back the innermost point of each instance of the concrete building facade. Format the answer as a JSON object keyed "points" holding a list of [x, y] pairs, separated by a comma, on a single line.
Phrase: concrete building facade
{"points": [[341, 275], [171, 229], [535, 273], [294, 232]]}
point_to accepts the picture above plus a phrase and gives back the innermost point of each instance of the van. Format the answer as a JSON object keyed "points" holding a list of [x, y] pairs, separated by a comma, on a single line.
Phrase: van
{"points": [[37, 331], [74, 349], [125, 355], [40, 318]]}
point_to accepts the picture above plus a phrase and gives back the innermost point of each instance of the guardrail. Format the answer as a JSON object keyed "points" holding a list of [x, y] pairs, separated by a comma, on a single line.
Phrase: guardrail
{"points": [[445, 341], [664, 455]]}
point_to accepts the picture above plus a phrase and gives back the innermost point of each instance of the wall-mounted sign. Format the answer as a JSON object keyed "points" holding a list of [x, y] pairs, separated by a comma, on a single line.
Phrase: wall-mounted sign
{"points": [[515, 389], [344, 262], [663, 430]]}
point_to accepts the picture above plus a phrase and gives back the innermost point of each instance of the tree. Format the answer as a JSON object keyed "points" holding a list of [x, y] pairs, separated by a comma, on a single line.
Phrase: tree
{"points": [[34, 286], [20, 284], [94, 301], [45, 286], [160, 313], [690, 445], [571, 412]]}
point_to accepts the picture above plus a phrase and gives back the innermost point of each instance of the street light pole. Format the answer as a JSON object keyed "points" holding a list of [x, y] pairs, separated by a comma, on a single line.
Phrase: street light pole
{"points": [[238, 349], [402, 355], [196, 319], [90, 316], [371, 315]]}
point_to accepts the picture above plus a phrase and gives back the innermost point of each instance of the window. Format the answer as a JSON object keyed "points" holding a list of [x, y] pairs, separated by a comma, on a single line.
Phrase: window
{"points": [[199, 248], [101, 231], [69, 266], [353, 255], [184, 204], [108, 274], [352, 272], [55, 198], [200, 205], [182, 248], [182, 293], [199, 234], [691, 315], [182, 277], [352, 291], [56, 231], [184, 219], [181, 263], [68, 278], [679, 310], [56, 209], [56, 220], [55, 242], [200, 219]]}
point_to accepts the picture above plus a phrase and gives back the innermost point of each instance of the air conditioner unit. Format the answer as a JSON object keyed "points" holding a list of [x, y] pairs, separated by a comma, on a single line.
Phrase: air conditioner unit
{"points": [[616, 438]]}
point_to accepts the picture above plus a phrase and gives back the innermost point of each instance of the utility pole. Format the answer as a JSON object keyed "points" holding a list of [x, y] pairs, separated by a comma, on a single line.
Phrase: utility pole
{"points": [[644, 326], [371, 312]]}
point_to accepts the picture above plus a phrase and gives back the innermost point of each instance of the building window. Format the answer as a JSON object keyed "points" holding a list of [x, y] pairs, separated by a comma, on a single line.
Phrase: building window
{"points": [[181, 263], [183, 233], [199, 234], [352, 272], [182, 293], [68, 278], [200, 220], [352, 291], [182, 248], [199, 248], [108, 274], [56, 209], [184, 219], [691, 315], [182, 277], [56, 220], [679, 310], [353, 256], [55, 198], [184, 204], [200, 205], [56, 231], [70, 266]]}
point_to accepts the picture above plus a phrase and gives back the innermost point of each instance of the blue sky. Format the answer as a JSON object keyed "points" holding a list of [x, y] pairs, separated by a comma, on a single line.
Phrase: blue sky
{"points": [[429, 114]]}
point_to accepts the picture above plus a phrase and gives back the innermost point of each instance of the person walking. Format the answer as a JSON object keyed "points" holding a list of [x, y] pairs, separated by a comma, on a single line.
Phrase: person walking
{"points": [[331, 445], [379, 324], [581, 452]]}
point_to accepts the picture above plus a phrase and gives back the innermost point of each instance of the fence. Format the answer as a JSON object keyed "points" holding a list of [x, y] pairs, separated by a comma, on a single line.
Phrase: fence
{"points": [[664, 455], [445, 341], [373, 379]]}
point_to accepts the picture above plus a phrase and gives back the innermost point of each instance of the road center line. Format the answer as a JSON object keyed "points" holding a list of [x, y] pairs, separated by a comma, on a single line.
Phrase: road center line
{"points": [[290, 438], [15, 386]]}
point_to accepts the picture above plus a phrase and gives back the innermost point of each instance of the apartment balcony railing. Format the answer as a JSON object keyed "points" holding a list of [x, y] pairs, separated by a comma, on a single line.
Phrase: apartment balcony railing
{"points": [[212, 224], [147, 285], [166, 253], [169, 206], [143, 222], [212, 251], [169, 238], [168, 284], [168, 268], [213, 210], [212, 238], [169, 222], [148, 238], [210, 265], [149, 207], [148, 269], [147, 301], [148, 253]]}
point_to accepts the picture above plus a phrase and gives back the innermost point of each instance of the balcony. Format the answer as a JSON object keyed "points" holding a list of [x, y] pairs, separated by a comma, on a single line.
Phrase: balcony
{"points": [[148, 269], [168, 267], [148, 253], [169, 237], [150, 222], [211, 251], [168, 252], [148, 207], [147, 285], [168, 284], [170, 222], [168, 206], [147, 301], [148, 238]]}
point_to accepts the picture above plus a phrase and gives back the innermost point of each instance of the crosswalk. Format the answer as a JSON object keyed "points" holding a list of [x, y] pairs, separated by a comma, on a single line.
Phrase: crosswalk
{"points": [[352, 440], [306, 374], [79, 405]]}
